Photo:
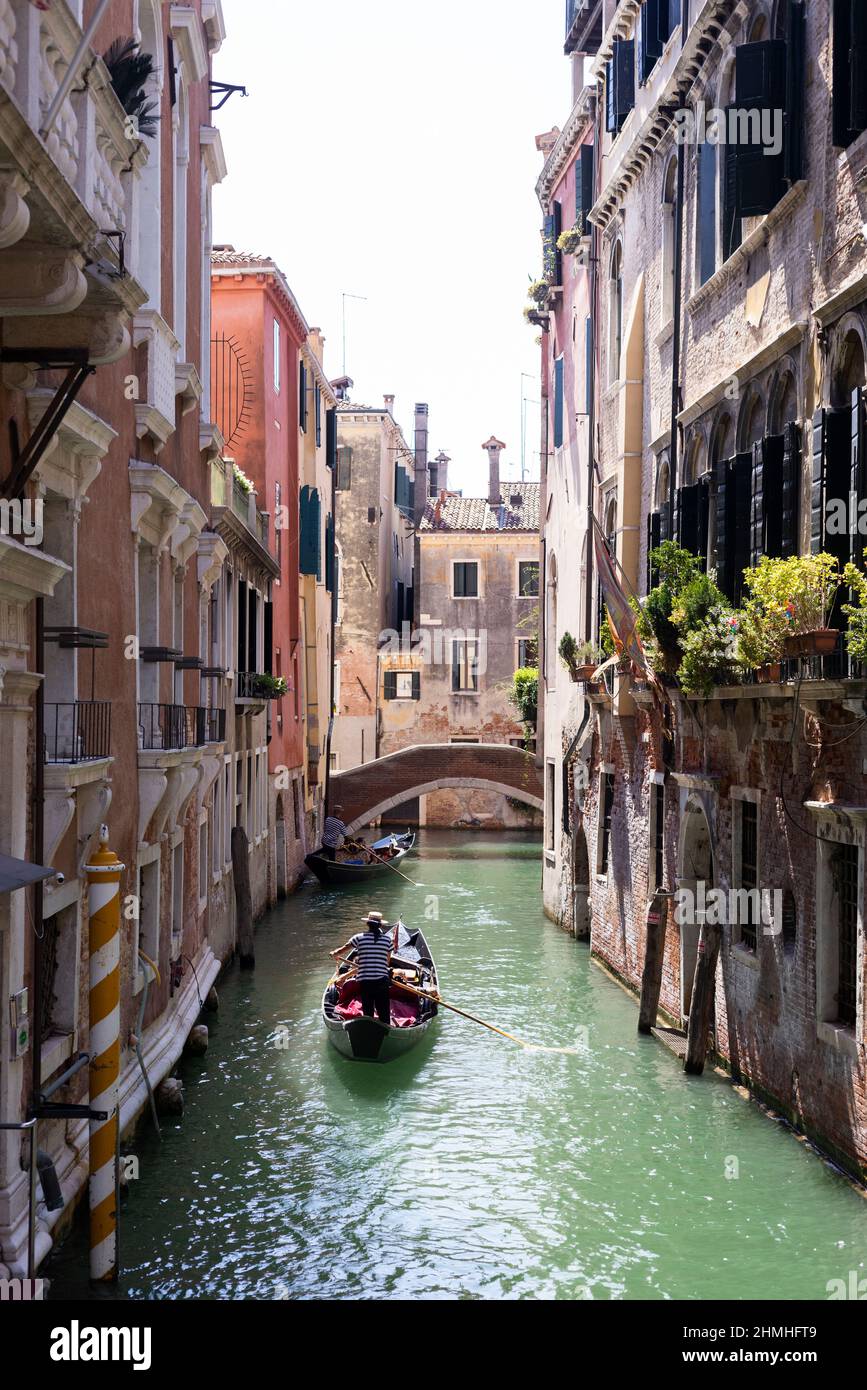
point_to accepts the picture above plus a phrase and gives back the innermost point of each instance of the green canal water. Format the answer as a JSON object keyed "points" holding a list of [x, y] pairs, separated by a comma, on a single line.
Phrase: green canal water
{"points": [[471, 1168]]}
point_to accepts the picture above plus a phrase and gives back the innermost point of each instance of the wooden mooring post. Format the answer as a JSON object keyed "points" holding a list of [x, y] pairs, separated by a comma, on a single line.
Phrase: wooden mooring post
{"points": [[243, 899], [654, 951], [703, 992]]}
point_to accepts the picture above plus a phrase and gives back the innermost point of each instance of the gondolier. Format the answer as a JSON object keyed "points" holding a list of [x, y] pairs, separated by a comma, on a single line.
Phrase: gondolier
{"points": [[333, 834], [373, 953]]}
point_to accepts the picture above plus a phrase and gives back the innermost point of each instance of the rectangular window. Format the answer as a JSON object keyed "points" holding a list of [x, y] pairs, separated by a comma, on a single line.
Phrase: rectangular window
{"points": [[401, 685], [847, 863], [749, 907], [657, 836], [558, 403], [706, 211], [302, 396], [465, 579], [344, 469], [619, 85], [849, 70], [528, 653], [331, 437], [552, 257], [278, 524], [528, 578], [550, 804], [465, 666], [317, 407], [650, 39], [585, 188], [588, 365], [277, 357], [605, 811]]}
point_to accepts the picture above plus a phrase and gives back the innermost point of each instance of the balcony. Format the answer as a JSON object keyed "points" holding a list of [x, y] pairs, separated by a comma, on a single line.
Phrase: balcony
{"points": [[176, 727], [78, 732], [251, 685], [236, 518]]}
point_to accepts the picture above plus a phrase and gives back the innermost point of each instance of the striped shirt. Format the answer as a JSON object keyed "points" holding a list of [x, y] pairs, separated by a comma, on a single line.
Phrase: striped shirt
{"points": [[333, 832], [373, 953]]}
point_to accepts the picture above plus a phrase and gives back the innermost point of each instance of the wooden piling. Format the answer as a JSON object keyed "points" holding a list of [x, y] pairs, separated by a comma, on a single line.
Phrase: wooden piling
{"points": [[654, 950], [243, 899], [701, 1005]]}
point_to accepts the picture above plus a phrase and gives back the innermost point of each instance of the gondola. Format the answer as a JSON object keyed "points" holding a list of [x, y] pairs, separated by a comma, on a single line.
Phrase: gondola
{"points": [[354, 869], [367, 1039]]}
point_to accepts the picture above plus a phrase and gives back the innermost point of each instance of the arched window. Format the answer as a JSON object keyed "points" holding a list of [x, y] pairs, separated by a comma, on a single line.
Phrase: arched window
{"points": [[181, 144], [785, 403], [148, 267], [615, 313], [730, 228], [669, 195]]}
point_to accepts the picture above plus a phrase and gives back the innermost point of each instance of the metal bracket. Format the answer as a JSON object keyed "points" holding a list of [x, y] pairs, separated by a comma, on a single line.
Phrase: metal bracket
{"points": [[78, 369], [50, 1111], [225, 90]]}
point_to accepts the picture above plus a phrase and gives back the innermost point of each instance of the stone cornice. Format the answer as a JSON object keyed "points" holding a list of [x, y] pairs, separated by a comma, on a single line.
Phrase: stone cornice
{"points": [[213, 155], [186, 29], [26, 572], [315, 366], [580, 117], [215, 24]]}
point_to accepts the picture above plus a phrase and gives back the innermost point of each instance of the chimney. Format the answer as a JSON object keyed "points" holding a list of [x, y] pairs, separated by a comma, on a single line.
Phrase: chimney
{"points": [[342, 386], [389, 404], [421, 479], [494, 448], [440, 472]]}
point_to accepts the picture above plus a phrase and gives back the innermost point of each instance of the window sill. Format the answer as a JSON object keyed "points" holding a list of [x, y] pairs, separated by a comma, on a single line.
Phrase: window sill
{"points": [[56, 1049], [758, 237], [841, 1038], [665, 334]]}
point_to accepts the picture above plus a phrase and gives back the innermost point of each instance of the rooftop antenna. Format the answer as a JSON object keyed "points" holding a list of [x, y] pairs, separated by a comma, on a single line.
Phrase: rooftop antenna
{"points": [[346, 295], [525, 401]]}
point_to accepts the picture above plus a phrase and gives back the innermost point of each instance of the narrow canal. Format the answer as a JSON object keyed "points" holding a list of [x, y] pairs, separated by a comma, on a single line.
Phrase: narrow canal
{"points": [[470, 1168]]}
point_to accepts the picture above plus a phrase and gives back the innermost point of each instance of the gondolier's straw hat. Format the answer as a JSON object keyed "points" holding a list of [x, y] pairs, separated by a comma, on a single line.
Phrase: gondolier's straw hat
{"points": [[374, 918]]}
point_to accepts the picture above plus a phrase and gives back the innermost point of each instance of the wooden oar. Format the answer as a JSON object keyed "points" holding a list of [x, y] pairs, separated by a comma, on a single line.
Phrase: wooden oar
{"points": [[435, 999], [393, 869]]}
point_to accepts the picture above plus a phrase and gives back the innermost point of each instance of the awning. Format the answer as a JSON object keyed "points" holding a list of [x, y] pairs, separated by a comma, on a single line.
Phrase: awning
{"points": [[17, 873]]}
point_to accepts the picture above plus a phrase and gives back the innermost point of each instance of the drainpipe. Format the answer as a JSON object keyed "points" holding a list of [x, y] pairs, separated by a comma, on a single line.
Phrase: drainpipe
{"points": [[591, 369], [335, 578], [678, 292]]}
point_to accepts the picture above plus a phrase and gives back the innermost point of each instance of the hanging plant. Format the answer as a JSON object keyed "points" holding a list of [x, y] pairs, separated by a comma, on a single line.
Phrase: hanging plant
{"points": [[569, 241], [244, 483], [130, 71], [538, 290]]}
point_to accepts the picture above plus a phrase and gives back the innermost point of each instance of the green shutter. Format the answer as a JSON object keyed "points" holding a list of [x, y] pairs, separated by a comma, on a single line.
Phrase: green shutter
{"points": [[794, 146], [416, 685], [302, 397], [791, 489], [331, 437], [389, 685], [329, 553]]}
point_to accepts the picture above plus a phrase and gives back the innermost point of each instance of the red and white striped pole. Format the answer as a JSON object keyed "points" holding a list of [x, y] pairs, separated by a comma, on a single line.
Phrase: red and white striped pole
{"points": [[103, 879]]}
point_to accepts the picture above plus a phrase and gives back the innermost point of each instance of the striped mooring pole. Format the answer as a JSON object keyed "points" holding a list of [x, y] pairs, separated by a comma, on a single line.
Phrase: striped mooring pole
{"points": [[103, 881]]}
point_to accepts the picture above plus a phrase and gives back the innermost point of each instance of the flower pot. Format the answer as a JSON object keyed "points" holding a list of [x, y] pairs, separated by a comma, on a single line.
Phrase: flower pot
{"points": [[770, 674], [584, 672], [822, 641]]}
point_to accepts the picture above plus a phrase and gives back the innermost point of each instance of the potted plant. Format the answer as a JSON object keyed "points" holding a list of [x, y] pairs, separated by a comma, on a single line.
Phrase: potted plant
{"points": [[240, 477], [266, 687], [524, 695], [569, 241], [856, 612], [709, 652], [580, 661], [800, 590], [761, 639], [538, 290]]}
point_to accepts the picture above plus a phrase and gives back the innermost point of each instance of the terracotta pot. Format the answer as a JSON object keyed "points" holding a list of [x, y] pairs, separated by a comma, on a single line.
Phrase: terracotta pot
{"points": [[822, 641], [584, 672]]}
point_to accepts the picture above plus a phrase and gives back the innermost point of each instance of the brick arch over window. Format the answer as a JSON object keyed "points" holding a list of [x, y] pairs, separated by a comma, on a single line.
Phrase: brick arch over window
{"points": [[783, 397], [695, 458], [722, 438], [751, 419], [847, 354]]}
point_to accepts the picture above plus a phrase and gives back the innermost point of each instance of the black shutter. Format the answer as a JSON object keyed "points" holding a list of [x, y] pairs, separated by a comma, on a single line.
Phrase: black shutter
{"points": [[817, 495], [669, 16], [760, 87], [832, 443], [856, 476], [721, 550], [610, 104], [731, 211], [331, 437], [317, 398], [459, 584], [703, 519], [242, 625], [389, 685], [253, 630], [584, 189], [665, 522], [739, 522], [790, 489], [552, 259], [858, 66], [624, 78], [416, 685], [302, 397], [268, 666], [653, 525], [794, 138], [774, 449], [757, 516], [650, 41], [688, 518]]}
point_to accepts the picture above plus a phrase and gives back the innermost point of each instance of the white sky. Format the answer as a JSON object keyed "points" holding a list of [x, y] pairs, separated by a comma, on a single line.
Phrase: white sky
{"points": [[387, 149]]}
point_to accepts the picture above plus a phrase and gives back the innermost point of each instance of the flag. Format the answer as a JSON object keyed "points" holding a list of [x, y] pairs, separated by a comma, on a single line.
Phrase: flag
{"points": [[623, 622], [41, 4]]}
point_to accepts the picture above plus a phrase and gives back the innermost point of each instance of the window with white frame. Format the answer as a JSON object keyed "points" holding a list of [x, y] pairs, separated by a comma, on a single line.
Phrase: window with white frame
{"points": [[465, 579], [528, 578], [465, 666], [277, 361]]}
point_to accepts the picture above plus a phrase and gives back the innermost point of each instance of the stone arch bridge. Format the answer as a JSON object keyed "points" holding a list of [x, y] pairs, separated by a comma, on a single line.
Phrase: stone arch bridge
{"points": [[370, 790]]}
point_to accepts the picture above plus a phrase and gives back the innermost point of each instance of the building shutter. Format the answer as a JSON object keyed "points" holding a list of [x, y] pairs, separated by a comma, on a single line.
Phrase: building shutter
{"points": [[757, 517], [858, 66], [552, 258], [760, 86], [242, 625], [832, 431], [790, 489], [331, 437], [731, 232], [817, 494], [703, 518], [610, 103], [688, 518], [740, 485], [794, 121], [721, 550], [344, 468], [558, 403], [317, 402], [329, 553], [268, 614], [653, 524], [588, 365], [857, 484], [416, 685], [669, 16], [650, 43], [389, 685], [773, 449], [302, 396], [310, 549], [624, 78], [665, 522], [460, 580], [584, 189]]}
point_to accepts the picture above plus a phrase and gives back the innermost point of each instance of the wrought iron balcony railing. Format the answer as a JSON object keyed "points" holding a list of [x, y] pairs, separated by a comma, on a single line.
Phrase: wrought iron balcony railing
{"points": [[77, 732]]}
